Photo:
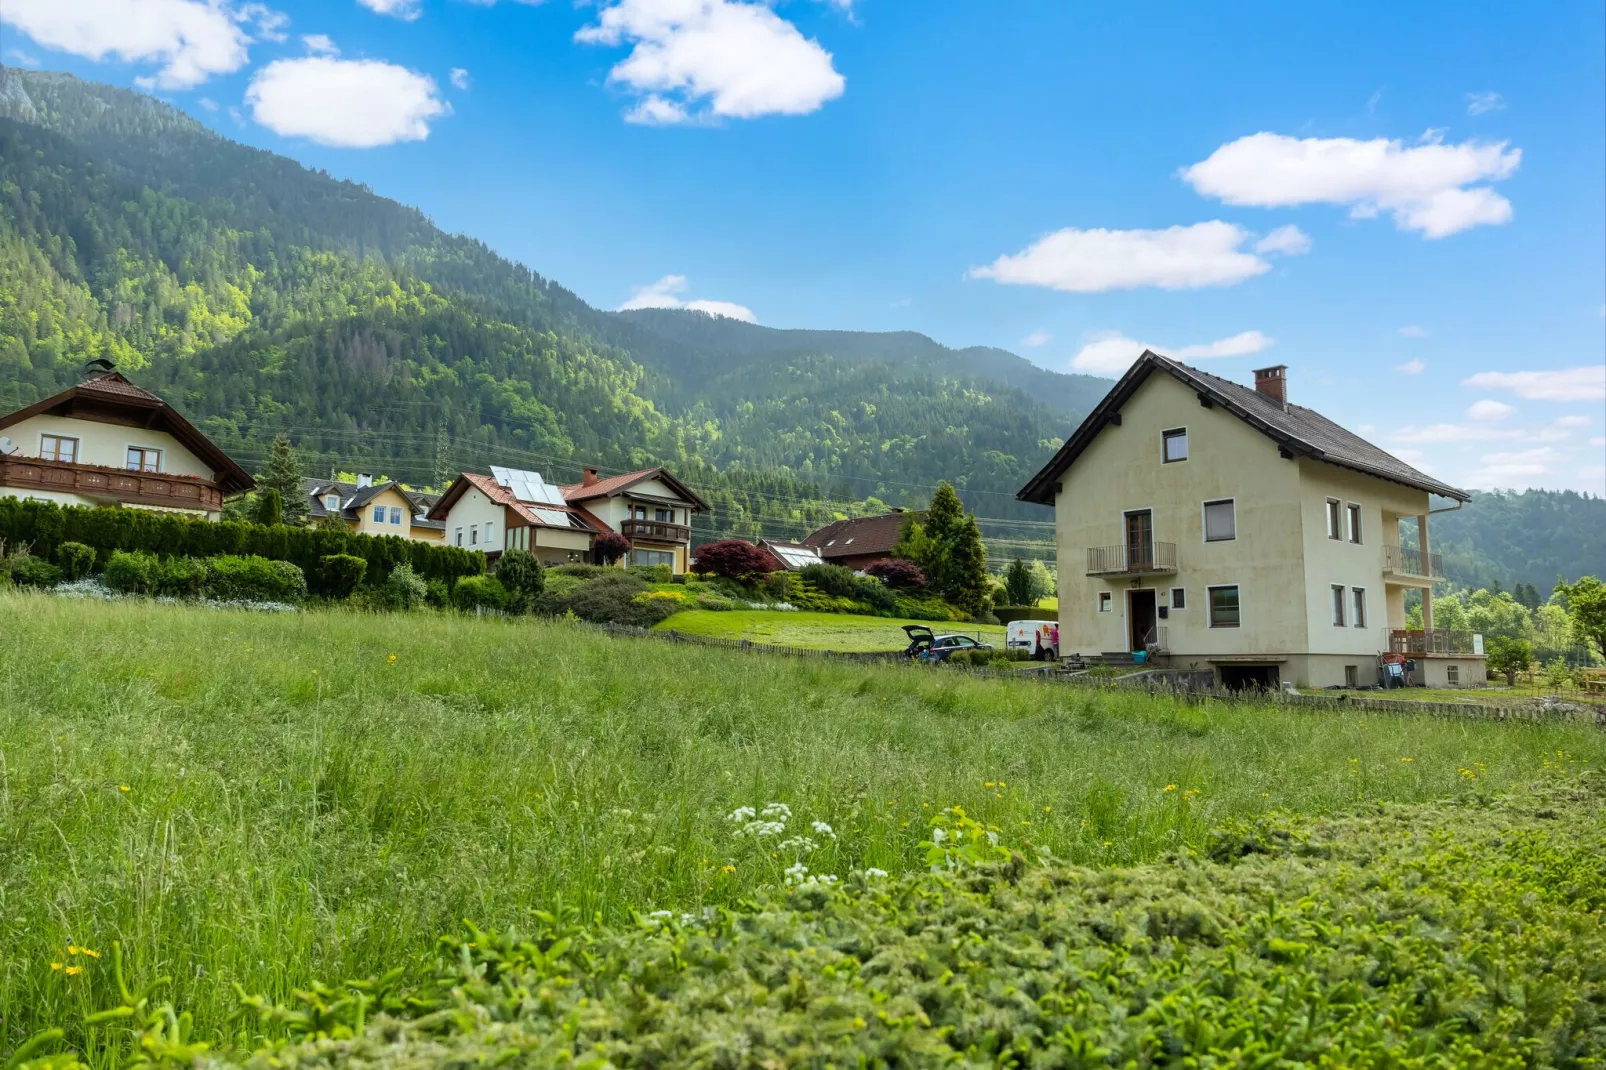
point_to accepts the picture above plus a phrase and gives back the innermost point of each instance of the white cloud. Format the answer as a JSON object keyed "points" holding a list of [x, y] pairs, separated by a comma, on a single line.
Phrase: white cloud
{"points": [[460, 78], [1483, 103], [320, 43], [1286, 240], [1037, 338], [1094, 261], [1573, 421], [407, 10], [700, 59], [666, 293], [1111, 352], [192, 40], [1413, 331], [1439, 434], [1514, 470], [1489, 411], [21, 58], [1411, 367], [1425, 187], [347, 103], [1598, 440], [208, 103], [1566, 384]]}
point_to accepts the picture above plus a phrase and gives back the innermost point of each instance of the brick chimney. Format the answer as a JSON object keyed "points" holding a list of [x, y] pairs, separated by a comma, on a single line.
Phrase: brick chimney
{"points": [[589, 478], [1273, 382]]}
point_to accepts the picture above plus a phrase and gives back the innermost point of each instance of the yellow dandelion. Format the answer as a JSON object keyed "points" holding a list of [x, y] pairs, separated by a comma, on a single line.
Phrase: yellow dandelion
{"points": [[124, 787], [987, 783], [390, 659], [1048, 809], [72, 950], [1170, 787], [90, 953], [73, 971], [1407, 760], [55, 965], [730, 869]]}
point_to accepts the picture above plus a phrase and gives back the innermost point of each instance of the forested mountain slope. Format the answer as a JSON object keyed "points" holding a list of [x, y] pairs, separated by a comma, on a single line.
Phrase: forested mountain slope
{"points": [[263, 296], [1522, 537]]}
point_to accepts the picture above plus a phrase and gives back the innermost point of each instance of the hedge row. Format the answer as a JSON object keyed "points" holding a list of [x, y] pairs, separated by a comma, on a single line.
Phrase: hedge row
{"points": [[1463, 933], [45, 525]]}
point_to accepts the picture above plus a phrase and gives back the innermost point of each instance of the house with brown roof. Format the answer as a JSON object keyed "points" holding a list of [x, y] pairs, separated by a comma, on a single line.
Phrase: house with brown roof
{"points": [[108, 442], [857, 541], [650, 507], [370, 508], [511, 509], [1218, 526]]}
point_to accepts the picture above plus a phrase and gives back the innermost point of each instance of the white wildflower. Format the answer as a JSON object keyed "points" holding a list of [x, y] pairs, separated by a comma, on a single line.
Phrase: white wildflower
{"points": [[777, 812], [742, 813], [796, 873], [939, 835], [823, 829], [761, 829], [798, 843], [875, 874]]}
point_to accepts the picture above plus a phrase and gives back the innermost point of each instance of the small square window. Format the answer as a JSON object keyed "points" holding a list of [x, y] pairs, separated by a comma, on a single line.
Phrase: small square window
{"points": [[1179, 598], [1220, 521], [1175, 444], [1223, 606], [1354, 523], [1106, 602], [331, 503]]}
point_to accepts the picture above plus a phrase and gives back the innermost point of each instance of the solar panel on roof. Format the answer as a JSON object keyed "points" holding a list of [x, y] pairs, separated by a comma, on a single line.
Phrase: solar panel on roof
{"points": [[551, 517]]}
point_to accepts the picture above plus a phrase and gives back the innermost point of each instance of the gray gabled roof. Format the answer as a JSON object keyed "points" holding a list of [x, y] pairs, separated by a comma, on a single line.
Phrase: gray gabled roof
{"points": [[353, 498], [1298, 431]]}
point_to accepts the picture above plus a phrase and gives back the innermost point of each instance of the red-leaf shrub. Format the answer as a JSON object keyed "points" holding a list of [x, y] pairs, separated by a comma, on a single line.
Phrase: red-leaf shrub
{"points": [[732, 558], [610, 546], [898, 574]]}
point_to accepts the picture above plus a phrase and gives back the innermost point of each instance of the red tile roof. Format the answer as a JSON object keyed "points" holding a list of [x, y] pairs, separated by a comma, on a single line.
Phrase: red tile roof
{"points": [[116, 384], [857, 536], [611, 485], [502, 496]]}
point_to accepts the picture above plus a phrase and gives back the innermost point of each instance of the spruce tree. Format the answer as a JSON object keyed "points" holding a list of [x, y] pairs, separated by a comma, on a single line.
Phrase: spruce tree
{"points": [[942, 525], [1019, 584], [969, 586], [283, 474], [268, 509]]}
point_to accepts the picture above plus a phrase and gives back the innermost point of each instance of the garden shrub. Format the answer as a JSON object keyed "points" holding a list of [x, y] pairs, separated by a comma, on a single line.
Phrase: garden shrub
{"points": [[1428, 935], [339, 574], [30, 571], [248, 578], [522, 576], [1006, 614], [614, 599], [437, 594], [130, 572], [832, 579], [474, 593], [76, 559], [180, 577], [610, 546], [405, 589], [584, 572], [733, 557], [715, 602], [898, 574], [652, 573], [929, 607]]}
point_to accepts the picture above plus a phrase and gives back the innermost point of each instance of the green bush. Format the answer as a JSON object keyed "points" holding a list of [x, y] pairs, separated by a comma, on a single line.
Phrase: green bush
{"points": [[437, 594], [618, 598], [76, 559], [339, 574], [405, 589], [131, 572], [584, 572], [715, 602], [523, 577], [1006, 614], [1429, 935], [928, 608], [181, 577], [247, 578], [832, 579], [30, 571], [651, 573], [479, 593]]}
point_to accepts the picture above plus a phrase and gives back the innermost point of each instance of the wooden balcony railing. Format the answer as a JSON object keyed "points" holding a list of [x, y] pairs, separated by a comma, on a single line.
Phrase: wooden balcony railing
{"points": [[110, 484], [656, 530], [1404, 561], [1130, 559], [1436, 641]]}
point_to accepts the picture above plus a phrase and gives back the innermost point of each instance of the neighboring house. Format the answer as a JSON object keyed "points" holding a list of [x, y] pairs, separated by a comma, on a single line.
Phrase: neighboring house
{"points": [[791, 556], [370, 508], [1224, 527], [515, 510], [108, 442], [858, 541], [651, 508]]}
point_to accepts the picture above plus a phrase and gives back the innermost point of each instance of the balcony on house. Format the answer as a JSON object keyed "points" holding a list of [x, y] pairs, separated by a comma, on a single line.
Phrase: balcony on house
{"points": [[1132, 559], [1407, 563], [111, 485], [1415, 641], [655, 530]]}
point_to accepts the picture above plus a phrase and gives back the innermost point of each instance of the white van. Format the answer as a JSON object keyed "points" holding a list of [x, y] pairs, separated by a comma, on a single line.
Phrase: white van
{"points": [[1039, 638]]}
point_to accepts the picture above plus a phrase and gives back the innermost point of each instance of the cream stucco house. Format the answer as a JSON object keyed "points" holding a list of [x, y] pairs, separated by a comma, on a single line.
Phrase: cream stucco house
{"points": [[369, 508], [1216, 525], [108, 442], [651, 508]]}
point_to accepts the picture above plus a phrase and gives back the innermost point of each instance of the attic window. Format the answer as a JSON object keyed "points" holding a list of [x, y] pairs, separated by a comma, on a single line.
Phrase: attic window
{"points": [[331, 502], [1175, 444]]}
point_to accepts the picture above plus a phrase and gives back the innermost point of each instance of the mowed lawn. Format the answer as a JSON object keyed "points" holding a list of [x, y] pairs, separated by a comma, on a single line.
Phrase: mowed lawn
{"points": [[262, 799], [816, 631]]}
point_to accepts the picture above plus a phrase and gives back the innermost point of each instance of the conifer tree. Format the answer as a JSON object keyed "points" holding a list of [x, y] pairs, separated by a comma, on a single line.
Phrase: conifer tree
{"points": [[283, 474], [1019, 584], [969, 586]]}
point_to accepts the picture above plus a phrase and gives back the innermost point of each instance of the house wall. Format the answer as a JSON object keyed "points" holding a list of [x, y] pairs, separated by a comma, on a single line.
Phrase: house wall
{"points": [[615, 511], [426, 534], [473, 510], [391, 498], [107, 444], [1122, 470]]}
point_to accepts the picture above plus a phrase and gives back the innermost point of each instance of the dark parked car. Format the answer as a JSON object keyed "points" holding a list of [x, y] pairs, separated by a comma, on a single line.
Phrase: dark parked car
{"points": [[928, 646]]}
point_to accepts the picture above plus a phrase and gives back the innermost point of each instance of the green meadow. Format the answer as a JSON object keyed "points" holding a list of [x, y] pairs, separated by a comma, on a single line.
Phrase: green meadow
{"points": [[261, 800], [842, 632]]}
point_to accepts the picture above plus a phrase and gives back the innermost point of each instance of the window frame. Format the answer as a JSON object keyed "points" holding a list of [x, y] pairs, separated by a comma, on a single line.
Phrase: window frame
{"points": [[395, 514], [145, 452], [473, 534], [1352, 516], [378, 514], [1210, 605], [1179, 599], [1106, 602], [1358, 606], [1335, 519], [459, 534], [1452, 675], [1204, 519], [490, 530], [331, 503], [1338, 603], [1169, 435], [55, 454]]}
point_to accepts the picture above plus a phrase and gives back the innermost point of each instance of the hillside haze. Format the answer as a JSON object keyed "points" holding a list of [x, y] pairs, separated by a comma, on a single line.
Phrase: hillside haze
{"points": [[262, 296]]}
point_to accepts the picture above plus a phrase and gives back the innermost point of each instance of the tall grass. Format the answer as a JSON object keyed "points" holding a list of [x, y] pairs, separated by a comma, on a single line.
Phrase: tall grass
{"points": [[262, 799]]}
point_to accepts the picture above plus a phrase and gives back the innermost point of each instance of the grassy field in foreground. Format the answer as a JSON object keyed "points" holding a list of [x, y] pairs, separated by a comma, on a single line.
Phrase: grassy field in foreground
{"points": [[265, 799], [816, 631]]}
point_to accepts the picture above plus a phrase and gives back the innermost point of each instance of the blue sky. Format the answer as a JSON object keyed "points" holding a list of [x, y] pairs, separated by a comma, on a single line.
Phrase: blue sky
{"points": [[1404, 203]]}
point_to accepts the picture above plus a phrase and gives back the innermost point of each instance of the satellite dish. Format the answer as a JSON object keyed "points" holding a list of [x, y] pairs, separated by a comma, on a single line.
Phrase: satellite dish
{"points": [[7, 447]]}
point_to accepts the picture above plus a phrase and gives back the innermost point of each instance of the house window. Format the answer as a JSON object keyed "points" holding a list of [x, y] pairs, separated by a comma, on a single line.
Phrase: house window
{"points": [[1452, 675], [141, 459], [331, 502], [379, 514], [1174, 444], [1359, 595], [395, 514], [1338, 605], [1354, 523], [1335, 528], [1179, 598], [1223, 606], [653, 557], [1352, 676], [487, 539], [473, 534], [458, 536], [664, 516], [640, 512], [58, 448], [1106, 602], [1220, 521]]}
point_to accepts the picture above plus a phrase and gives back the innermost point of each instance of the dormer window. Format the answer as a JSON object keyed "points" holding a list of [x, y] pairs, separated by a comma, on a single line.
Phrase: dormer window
{"points": [[331, 503]]}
